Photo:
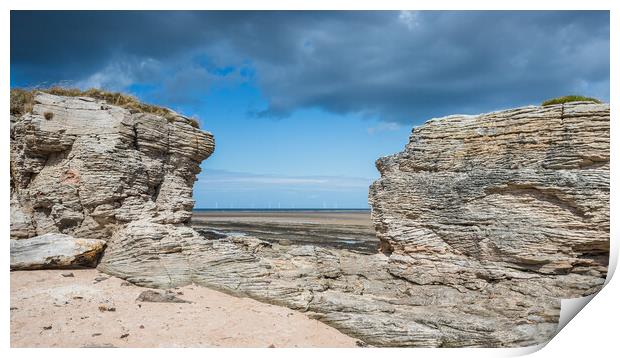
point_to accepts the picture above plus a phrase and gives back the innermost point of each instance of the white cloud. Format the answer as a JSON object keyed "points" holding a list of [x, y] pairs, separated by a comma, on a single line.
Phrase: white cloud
{"points": [[409, 19], [269, 180], [210, 179], [384, 127], [120, 74]]}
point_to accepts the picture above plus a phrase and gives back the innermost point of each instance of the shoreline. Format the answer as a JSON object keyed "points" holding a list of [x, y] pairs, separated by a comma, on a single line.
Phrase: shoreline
{"points": [[342, 229]]}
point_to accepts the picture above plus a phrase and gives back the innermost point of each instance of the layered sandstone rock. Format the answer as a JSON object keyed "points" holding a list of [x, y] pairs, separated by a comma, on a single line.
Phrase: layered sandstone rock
{"points": [[52, 251], [510, 209], [483, 197], [82, 167]]}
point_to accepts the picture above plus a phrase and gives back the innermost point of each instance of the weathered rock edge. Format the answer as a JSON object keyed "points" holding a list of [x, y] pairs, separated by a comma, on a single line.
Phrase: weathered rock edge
{"points": [[53, 251]]}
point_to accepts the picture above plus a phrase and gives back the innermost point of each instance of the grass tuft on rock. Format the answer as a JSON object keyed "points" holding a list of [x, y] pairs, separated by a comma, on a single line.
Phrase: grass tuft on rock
{"points": [[571, 98], [22, 101]]}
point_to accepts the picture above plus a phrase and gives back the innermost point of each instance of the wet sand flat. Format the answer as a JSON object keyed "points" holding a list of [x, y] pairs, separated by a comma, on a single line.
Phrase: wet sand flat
{"points": [[324, 217], [91, 309], [342, 229]]}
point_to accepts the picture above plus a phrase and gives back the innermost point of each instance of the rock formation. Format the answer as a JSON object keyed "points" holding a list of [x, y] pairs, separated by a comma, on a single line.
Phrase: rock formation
{"points": [[481, 198], [508, 210], [52, 251], [83, 167], [486, 221]]}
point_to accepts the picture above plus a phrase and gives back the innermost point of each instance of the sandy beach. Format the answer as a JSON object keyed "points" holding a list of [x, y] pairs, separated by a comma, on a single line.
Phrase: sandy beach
{"points": [[85, 308]]}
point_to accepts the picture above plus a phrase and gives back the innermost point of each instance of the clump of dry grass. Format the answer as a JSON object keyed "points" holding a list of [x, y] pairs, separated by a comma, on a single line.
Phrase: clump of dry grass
{"points": [[22, 101], [194, 122], [571, 98]]}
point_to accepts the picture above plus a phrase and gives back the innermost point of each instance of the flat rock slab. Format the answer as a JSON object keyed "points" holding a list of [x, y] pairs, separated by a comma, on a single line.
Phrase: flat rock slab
{"points": [[54, 251]]}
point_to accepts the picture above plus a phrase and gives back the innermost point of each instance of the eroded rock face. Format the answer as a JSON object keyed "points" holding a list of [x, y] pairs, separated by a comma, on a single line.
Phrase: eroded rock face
{"points": [[53, 251], [510, 209], [82, 167]]}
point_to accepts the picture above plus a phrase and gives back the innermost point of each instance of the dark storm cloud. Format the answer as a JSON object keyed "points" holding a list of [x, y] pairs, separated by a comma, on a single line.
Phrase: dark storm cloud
{"points": [[399, 66]]}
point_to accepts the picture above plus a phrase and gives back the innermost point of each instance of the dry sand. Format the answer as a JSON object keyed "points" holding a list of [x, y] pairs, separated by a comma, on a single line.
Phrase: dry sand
{"points": [[49, 310]]}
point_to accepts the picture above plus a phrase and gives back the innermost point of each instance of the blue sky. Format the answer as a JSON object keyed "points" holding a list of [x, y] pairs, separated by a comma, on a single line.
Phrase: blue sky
{"points": [[301, 104]]}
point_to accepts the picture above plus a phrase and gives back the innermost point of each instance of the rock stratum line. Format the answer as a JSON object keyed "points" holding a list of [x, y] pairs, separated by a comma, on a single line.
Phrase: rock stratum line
{"points": [[486, 222]]}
